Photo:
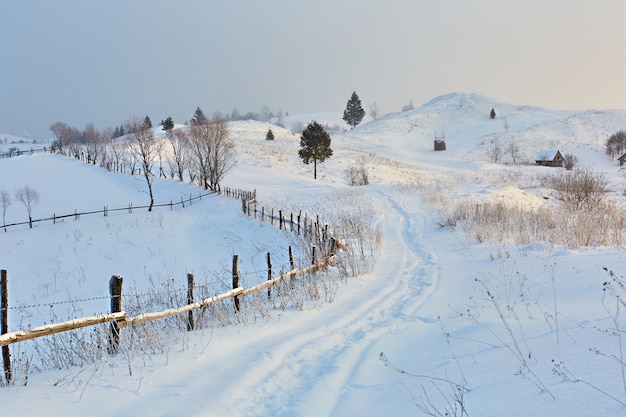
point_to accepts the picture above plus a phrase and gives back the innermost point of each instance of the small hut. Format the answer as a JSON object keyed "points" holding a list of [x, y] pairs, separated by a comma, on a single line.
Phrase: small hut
{"points": [[440, 142], [622, 160], [549, 158]]}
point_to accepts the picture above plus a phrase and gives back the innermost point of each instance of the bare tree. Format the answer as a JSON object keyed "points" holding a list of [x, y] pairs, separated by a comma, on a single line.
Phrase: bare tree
{"points": [[5, 199], [580, 189], [93, 143], [513, 149], [212, 151], [29, 197], [179, 143], [265, 113], [374, 111], [146, 150], [65, 135], [495, 151]]}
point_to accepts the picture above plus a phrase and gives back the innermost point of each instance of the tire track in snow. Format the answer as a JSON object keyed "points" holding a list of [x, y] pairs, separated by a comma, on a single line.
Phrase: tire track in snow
{"points": [[309, 359]]}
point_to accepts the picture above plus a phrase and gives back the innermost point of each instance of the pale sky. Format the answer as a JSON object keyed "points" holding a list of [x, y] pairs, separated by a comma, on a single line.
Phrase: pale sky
{"points": [[103, 62]]}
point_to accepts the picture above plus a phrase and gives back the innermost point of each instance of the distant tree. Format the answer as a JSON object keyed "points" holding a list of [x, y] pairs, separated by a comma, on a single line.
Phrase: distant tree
{"points": [[616, 143], [492, 115], [280, 119], [29, 197], [147, 122], [495, 152], [513, 149], [212, 151], [122, 131], [168, 124], [146, 150], [180, 144], [569, 161], [353, 114], [408, 106], [269, 135], [234, 115], [66, 138], [314, 145], [298, 127], [374, 111], [198, 117], [265, 113], [94, 144], [5, 199]]}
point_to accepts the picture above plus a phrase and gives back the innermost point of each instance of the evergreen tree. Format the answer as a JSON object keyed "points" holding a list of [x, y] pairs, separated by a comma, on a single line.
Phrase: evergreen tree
{"points": [[492, 114], [168, 124], [147, 122], [314, 145], [353, 114], [269, 135], [199, 118]]}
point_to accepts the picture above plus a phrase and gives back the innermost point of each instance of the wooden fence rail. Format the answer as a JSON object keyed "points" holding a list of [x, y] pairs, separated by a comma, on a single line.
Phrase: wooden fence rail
{"points": [[120, 319]]}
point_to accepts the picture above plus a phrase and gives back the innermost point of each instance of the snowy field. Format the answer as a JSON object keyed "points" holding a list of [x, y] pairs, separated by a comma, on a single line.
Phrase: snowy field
{"points": [[440, 321]]}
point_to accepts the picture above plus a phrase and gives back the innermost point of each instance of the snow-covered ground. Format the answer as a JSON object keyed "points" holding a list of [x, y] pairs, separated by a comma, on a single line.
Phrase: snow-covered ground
{"points": [[516, 330]]}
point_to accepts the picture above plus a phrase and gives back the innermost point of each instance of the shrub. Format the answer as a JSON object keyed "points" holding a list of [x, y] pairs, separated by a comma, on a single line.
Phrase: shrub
{"points": [[579, 189], [357, 174]]}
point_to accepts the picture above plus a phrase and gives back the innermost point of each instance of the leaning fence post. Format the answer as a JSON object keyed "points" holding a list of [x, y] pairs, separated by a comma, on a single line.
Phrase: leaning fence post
{"points": [[269, 276], [190, 285], [4, 307], [236, 279], [115, 289], [280, 219], [313, 257]]}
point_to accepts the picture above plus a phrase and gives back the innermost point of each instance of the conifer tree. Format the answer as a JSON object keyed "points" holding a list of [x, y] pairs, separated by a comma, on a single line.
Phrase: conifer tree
{"points": [[269, 135], [492, 114], [168, 124], [314, 145], [147, 122], [353, 114], [199, 118]]}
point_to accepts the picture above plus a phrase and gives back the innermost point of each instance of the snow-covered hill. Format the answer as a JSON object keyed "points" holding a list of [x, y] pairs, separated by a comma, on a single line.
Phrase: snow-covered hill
{"points": [[441, 319]]}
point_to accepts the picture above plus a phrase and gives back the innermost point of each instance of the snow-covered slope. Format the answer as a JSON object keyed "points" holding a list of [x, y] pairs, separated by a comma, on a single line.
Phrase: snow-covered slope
{"points": [[507, 329]]}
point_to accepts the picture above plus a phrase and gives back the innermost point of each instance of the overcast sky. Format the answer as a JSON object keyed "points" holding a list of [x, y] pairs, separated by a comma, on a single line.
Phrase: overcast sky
{"points": [[104, 62]]}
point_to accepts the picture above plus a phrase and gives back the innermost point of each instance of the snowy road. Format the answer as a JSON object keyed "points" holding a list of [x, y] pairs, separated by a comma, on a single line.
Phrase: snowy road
{"points": [[313, 361]]}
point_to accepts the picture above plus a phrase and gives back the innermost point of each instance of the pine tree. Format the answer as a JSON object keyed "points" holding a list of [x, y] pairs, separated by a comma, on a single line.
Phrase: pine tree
{"points": [[314, 145], [147, 122], [492, 114], [269, 135], [199, 118], [168, 124], [353, 114]]}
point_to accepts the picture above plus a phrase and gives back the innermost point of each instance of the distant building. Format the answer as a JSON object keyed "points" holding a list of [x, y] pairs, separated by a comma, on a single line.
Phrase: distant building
{"points": [[622, 160], [549, 158], [440, 142]]}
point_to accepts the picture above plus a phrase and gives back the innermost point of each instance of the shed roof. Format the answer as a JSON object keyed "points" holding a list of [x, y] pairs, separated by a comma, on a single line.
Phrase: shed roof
{"points": [[546, 155]]}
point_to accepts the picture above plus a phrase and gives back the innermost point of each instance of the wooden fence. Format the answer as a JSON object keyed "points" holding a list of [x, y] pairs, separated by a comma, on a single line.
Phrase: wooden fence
{"points": [[229, 192], [119, 319]]}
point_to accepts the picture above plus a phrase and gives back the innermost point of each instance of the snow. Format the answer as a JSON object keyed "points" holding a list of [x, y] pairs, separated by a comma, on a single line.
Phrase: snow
{"points": [[529, 328]]}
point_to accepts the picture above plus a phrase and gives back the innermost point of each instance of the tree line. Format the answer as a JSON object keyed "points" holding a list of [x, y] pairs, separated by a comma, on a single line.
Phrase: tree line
{"points": [[203, 150]]}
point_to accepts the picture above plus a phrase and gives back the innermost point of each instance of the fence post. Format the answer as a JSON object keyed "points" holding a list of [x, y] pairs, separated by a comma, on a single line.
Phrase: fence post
{"points": [[190, 285], [4, 307], [115, 289], [269, 275], [236, 279], [313, 257], [280, 219]]}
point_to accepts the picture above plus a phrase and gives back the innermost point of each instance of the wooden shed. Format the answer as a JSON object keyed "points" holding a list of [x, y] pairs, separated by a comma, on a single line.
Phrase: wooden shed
{"points": [[549, 158], [622, 160]]}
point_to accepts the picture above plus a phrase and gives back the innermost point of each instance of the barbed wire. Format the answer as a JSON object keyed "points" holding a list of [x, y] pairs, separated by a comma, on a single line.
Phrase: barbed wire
{"points": [[182, 290]]}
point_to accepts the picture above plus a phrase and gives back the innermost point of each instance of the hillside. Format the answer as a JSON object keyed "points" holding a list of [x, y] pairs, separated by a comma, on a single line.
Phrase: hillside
{"points": [[446, 316]]}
